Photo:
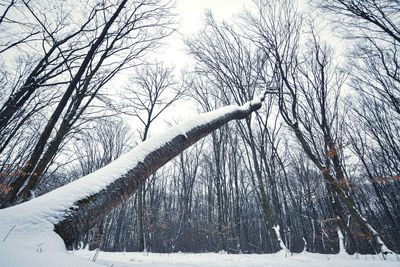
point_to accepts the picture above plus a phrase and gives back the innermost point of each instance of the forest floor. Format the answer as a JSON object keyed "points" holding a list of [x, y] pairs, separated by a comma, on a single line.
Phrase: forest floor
{"points": [[281, 259]]}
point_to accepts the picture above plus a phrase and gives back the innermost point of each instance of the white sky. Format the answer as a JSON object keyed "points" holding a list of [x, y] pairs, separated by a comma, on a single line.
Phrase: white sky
{"points": [[191, 17]]}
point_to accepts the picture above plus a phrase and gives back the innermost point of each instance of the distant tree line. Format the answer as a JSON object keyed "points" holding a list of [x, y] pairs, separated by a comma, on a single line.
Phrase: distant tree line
{"points": [[321, 157]]}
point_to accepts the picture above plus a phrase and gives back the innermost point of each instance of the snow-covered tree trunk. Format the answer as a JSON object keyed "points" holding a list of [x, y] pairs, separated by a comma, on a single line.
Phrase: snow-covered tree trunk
{"points": [[154, 153]]}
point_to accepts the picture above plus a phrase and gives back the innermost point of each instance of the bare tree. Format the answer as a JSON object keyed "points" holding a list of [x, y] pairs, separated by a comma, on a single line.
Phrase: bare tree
{"points": [[309, 105], [373, 30], [236, 70], [126, 34], [151, 91]]}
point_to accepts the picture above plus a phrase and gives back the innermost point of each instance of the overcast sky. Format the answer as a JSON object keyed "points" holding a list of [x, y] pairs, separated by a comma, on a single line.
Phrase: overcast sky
{"points": [[191, 17]]}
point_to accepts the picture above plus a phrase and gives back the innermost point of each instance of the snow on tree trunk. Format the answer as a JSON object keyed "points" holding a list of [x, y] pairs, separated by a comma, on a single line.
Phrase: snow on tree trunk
{"points": [[77, 206]]}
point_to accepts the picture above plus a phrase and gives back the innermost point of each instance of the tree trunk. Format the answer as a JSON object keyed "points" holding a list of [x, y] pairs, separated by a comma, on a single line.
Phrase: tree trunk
{"points": [[27, 171], [87, 211], [340, 193]]}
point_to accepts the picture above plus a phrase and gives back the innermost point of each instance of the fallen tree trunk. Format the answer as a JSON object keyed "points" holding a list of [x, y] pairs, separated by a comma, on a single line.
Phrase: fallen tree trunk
{"points": [[154, 153]]}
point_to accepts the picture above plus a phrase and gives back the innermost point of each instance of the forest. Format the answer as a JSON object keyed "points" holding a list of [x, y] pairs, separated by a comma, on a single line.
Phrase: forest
{"points": [[81, 84]]}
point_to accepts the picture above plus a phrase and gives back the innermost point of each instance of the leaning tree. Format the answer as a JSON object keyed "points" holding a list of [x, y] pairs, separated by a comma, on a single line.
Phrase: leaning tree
{"points": [[74, 208]]}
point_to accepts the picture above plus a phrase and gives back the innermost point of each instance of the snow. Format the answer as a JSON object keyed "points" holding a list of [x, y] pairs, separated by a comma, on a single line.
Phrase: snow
{"points": [[26, 230], [281, 259], [278, 234]]}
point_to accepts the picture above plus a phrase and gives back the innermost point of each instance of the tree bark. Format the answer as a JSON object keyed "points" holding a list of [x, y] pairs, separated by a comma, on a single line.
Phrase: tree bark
{"points": [[86, 212]]}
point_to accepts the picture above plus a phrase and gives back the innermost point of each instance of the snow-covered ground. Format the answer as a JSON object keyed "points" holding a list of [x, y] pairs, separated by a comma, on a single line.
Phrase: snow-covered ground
{"points": [[47, 256], [280, 259]]}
